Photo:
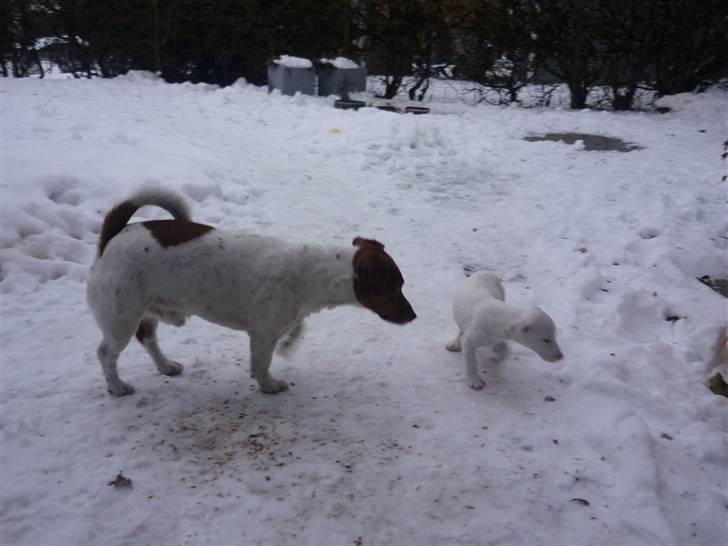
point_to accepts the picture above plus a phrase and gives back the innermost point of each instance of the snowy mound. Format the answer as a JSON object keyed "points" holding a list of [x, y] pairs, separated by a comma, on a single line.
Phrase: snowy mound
{"points": [[695, 103], [139, 76]]}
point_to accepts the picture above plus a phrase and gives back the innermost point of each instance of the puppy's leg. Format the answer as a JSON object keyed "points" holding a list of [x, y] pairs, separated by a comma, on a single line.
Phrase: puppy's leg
{"points": [[498, 353], [456, 345], [108, 353], [261, 353], [492, 355], [147, 335], [469, 345]]}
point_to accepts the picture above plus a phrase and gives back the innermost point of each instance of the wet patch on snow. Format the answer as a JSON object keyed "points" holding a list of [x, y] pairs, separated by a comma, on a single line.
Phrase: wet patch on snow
{"points": [[587, 142]]}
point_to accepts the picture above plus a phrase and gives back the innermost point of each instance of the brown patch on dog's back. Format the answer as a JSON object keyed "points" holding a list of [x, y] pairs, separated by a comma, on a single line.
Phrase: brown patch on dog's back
{"points": [[378, 282], [175, 232], [114, 222]]}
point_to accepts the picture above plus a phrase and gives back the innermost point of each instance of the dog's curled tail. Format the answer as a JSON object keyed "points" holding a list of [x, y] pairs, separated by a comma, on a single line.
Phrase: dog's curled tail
{"points": [[157, 196]]}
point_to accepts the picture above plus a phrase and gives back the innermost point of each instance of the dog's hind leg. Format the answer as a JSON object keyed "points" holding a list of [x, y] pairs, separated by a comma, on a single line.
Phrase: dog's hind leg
{"points": [[147, 335], [456, 345], [261, 353], [117, 314], [108, 353]]}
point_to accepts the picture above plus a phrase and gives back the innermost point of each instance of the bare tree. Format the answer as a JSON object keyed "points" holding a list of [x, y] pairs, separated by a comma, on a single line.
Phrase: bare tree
{"points": [[398, 37], [18, 41]]}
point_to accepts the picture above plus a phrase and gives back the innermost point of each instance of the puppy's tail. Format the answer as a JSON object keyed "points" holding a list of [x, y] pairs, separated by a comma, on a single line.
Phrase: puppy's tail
{"points": [[120, 215]]}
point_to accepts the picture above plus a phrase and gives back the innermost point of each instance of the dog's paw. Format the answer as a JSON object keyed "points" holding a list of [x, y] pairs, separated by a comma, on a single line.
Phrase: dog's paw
{"points": [[273, 386], [172, 368], [454, 347], [477, 385], [120, 389]]}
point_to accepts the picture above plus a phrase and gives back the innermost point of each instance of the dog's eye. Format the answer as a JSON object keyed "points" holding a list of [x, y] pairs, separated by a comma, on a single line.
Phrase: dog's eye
{"points": [[546, 340]]}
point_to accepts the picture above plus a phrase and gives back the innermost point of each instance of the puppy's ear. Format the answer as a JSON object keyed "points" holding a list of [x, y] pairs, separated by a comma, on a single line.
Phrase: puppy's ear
{"points": [[519, 329]]}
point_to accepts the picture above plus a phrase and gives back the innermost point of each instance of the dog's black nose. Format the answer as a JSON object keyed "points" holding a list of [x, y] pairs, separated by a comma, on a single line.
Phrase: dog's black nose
{"points": [[409, 314], [399, 318]]}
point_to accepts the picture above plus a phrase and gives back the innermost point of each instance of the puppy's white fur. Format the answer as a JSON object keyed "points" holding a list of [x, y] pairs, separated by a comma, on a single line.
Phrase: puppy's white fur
{"points": [[249, 282], [485, 322]]}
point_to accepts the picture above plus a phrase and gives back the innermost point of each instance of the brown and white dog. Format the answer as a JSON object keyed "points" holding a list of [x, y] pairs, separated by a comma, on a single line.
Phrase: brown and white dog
{"points": [[169, 270]]}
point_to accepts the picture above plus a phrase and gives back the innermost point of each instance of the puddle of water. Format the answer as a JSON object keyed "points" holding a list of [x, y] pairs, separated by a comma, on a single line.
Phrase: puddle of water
{"points": [[591, 142]]}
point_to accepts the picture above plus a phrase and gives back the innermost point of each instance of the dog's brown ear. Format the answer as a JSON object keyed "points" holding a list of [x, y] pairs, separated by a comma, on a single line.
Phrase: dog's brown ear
{"points": [[361, 242], [378, 282]]}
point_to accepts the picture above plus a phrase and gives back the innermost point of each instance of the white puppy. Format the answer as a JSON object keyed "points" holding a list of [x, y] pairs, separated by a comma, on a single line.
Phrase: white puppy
{"points": [[485, 322], [169, 270]]}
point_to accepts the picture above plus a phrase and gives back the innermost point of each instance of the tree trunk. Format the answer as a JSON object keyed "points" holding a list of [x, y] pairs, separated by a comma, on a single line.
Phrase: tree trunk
{"points": [[578, 92], [423, 91], [576, 77], [36, 59], [422, 79], [157, 46], [623, 98], [392, 86]]}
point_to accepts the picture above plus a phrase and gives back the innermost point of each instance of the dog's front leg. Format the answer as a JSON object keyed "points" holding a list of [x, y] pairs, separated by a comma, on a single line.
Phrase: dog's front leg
{"points": [[470, 346], [261, 353]]}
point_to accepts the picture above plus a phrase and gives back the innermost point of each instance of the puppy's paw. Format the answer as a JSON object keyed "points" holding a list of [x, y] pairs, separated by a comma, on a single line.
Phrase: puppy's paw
{"points": [[120, 389], [477, 385], [456, 345], [274, 386], [172, 368]]}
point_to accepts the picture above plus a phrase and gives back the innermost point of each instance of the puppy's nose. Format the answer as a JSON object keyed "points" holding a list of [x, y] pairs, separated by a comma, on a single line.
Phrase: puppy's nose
{"points": [[559, 356]]}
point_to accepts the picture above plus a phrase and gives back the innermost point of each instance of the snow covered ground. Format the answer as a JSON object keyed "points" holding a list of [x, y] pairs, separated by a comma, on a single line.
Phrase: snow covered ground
{"points": [[379, 440]]}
